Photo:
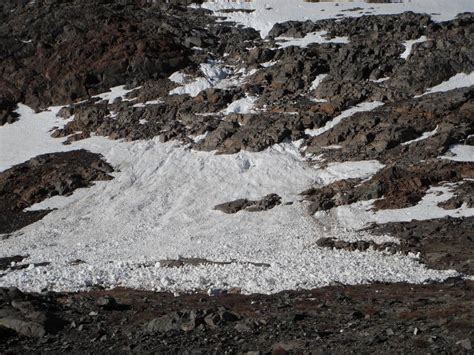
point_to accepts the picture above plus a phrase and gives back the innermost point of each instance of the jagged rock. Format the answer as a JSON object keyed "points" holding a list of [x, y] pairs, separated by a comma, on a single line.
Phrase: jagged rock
{"points": [[266, 203], [45, 176], [26, 328]]}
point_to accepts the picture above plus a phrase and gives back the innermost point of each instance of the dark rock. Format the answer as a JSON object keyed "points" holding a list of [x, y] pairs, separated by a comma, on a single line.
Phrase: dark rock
{"points": [[107, 302], [266, 203], [26, 328], [44, 176]]}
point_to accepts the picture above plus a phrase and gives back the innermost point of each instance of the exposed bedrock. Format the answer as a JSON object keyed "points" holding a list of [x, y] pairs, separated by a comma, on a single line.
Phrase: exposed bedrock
{"points": [[394, 132]]}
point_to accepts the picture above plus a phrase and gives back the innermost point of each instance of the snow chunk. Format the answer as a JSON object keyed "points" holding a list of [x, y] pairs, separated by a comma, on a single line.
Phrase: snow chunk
{"points": [[409, 45], [243, 105], [215, 76], [363, 107], [193, 88], [179, 78]]}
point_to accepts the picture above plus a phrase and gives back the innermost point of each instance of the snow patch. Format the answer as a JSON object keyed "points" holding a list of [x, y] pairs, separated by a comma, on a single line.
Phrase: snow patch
{"points": [[424, 136], [115, 93], [30, 136], [242, 106], [310, 38], [160, 206], [360, 214], [353, 169], [409, 46], [318, 80], [460, 80], [381, 80], [267, 13], [460, 152], [363, 107]]}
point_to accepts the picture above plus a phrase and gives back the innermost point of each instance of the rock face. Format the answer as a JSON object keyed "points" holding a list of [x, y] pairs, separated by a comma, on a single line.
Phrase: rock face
{"points": [[26, 315], [45, 176], [285, 95]]}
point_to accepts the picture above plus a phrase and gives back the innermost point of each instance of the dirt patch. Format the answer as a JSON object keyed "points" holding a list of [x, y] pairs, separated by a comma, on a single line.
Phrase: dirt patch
{"points": [[379, 317]]}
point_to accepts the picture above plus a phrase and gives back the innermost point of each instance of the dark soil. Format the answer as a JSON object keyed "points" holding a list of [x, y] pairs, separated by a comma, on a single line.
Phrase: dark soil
{"points": [[393, 318]]}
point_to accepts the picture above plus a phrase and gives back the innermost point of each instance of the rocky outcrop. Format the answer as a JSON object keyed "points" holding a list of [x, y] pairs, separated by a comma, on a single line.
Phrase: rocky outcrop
{"points": [[266, 203], [394, 132], [395, 186], [444, 243], [42, 177]]}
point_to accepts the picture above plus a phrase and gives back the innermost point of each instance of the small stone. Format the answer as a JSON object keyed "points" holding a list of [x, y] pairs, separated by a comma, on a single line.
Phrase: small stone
{"points": [[465, 343], [107, 302]]}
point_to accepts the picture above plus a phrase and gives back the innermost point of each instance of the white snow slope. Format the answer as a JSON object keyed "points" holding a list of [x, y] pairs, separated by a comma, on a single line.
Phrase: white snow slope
{"points": [[160, 206]]}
